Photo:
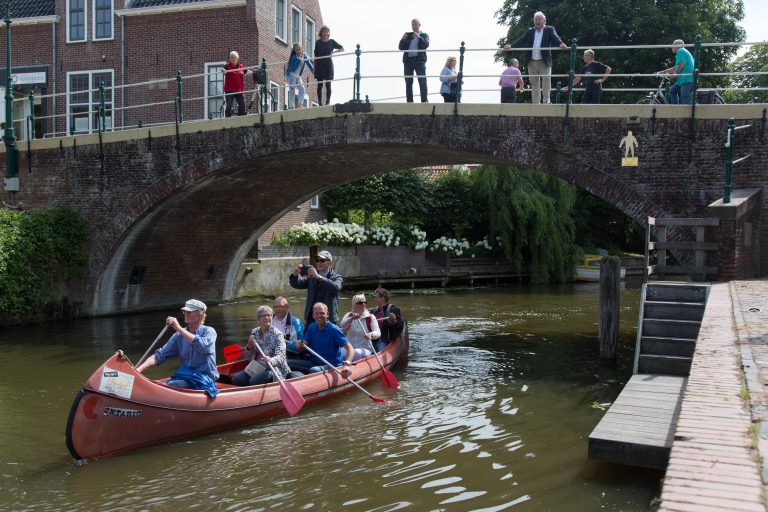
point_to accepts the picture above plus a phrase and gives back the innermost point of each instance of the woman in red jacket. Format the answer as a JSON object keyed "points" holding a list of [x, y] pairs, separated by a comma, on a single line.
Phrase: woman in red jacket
{"points": [[233, 73]]}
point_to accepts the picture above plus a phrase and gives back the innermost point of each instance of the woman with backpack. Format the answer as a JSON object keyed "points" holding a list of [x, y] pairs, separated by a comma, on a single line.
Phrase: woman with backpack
{"points": [[360, 327]]}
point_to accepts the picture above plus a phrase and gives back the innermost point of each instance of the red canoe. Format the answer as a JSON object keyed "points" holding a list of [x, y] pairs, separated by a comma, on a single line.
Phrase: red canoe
{"points": [[119, 409]]}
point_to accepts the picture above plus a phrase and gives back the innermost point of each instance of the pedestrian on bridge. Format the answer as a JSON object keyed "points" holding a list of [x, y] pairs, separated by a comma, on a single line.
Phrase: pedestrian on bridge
{"points": [[413, 44], [538, 61], [680, 92], [593, 87], [511, 82], [449, 79], [234, 86], [324, 48], [296, 64]]}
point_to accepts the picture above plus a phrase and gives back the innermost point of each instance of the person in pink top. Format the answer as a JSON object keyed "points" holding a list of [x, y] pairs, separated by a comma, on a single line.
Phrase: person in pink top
{"points": [[511, 81]]}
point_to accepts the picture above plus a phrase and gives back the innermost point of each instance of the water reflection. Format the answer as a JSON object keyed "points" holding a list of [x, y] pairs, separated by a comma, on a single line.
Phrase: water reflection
{"points": [[493, 414]]}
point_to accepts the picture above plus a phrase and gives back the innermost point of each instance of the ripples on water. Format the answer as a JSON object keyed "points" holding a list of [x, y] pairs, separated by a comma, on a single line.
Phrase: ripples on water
{"points": [[490, 416]]}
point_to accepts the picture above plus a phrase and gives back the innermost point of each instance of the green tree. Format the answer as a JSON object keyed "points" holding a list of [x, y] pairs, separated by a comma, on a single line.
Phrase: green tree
{"points": [[400, 193], [38, 249], [532, 214], [453, 211], [756, 59], [631, 22]]}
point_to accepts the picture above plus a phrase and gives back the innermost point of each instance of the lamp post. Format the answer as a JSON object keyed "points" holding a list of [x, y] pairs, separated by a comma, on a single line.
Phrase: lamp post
{"points": [[9, 137]]}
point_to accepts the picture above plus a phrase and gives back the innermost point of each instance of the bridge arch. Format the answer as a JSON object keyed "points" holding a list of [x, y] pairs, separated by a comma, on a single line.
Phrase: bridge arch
{"points": [[163, 231]]}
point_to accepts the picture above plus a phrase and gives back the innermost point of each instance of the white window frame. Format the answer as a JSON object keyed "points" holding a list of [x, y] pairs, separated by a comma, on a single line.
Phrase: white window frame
{"points": [[85, 24], [93, 98], [284, 25], [299, 40], [206, 71], [309, 46], [111, 21], [274, 103], [314, 202]]}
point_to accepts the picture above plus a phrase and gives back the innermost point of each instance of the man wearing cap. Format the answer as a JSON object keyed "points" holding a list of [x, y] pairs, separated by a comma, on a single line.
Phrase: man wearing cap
{"points": [[680, 92], [322, 285], [195, 346]]}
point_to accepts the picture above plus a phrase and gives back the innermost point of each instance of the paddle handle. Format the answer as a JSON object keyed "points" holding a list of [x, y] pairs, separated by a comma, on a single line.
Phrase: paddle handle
{"points": [[358, 386], [370, 343], [146, 354], [387, 377]]}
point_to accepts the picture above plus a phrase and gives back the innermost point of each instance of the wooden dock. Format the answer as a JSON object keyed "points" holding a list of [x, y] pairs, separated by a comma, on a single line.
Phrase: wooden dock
{"points": [[639, 428]]}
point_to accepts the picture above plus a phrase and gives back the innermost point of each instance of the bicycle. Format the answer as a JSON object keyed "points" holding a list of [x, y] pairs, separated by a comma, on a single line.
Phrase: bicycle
{"points": [[659, 97]]}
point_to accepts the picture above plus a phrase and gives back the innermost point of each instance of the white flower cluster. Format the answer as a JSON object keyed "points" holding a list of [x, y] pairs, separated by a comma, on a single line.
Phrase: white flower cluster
{"points": [[329, 233], [484, 244], [382, 235], [420, 237], [450, 245]]}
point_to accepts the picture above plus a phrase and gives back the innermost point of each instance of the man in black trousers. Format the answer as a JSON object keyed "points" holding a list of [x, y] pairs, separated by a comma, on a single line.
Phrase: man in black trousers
{"points": [[413, 45]]}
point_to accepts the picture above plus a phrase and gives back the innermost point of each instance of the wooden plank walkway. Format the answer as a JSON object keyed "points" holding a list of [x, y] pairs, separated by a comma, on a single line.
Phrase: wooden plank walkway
{"points": [[639, 428], [713, 465]]}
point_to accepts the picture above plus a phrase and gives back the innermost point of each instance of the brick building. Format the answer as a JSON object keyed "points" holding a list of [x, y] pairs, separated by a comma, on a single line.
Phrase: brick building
{"points": [[63, 49]]}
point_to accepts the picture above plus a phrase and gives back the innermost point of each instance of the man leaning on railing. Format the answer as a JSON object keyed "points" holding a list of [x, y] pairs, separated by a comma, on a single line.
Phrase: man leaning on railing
{"points": [[680, 92]]}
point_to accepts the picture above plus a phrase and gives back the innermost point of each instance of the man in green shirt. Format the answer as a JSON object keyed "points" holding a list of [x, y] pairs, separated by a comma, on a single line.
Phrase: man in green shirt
{"points": [[680, 92]]}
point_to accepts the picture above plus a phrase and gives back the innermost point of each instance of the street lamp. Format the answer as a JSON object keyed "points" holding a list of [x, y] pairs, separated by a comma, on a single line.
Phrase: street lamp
{"points": [[9, 137]]}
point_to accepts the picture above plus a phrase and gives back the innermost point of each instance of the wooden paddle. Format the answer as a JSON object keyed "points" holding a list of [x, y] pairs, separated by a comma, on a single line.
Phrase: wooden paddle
{"points": [[358, 386], [292, 399], [146, 354], [387, 377]]}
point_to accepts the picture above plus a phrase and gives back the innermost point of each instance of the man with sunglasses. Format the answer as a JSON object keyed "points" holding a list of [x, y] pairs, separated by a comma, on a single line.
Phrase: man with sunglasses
{"points": [[322, 285]]}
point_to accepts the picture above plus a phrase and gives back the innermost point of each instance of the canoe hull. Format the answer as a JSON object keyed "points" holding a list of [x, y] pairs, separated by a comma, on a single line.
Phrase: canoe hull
{"points": [[119, 409]]}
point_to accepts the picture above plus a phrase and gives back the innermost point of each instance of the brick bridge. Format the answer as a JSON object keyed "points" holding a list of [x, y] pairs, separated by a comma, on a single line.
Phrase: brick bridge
{"points": [[163, 231]]}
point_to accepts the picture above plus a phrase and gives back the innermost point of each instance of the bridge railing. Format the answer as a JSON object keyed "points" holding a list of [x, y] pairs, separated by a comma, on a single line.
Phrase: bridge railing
{"points": [[155, 102]]}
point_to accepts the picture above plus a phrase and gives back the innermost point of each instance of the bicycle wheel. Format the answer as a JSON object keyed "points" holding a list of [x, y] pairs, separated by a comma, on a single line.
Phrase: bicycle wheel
{"points": [[648, 101]]}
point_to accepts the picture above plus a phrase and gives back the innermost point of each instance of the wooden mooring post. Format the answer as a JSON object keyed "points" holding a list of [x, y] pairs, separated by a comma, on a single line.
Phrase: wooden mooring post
{"points": [[610, 302]]}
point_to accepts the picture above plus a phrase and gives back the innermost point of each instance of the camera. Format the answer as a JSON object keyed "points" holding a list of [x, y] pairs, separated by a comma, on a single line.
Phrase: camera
{"points": [[304, 270]]}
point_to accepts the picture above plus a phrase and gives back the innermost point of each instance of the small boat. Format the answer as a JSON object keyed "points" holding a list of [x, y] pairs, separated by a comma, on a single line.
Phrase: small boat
{"points": [[118, 409], [588, 269]]}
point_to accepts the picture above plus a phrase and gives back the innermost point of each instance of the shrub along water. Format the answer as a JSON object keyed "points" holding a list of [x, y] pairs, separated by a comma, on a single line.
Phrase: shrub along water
{"points": [[39, 250]]}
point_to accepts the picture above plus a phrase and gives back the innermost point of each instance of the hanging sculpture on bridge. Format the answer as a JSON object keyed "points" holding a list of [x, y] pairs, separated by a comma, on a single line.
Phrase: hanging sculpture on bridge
{"points": [[630, 143]]}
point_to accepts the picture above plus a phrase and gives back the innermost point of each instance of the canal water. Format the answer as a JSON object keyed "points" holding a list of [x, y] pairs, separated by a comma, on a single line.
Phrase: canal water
{"points": [[493, 413]]}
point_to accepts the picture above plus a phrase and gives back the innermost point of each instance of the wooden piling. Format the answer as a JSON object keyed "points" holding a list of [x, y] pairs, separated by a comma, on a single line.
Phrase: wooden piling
{"points": [[610, 302]]}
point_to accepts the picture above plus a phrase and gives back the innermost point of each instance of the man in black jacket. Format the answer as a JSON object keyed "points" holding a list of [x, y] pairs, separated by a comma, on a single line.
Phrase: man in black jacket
{"points": [[415, 60], [322, 285], [539, 61]]}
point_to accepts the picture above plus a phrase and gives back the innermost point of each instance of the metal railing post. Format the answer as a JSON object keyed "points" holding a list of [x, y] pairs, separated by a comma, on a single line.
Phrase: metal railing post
{"points": [[460, 77], [728, 160], [265, 96], [558, 90], [180, 111], [356, 86], [9, 136], [570, 90], [102, 108], [32, 115]]}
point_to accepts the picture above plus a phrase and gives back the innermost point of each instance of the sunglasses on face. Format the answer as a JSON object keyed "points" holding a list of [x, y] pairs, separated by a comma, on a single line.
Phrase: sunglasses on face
{"points": [[361, 302], [322, 260]]}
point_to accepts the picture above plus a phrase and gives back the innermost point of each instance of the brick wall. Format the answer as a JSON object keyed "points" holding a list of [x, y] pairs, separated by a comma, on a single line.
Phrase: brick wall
{"points": [[154, 47]]}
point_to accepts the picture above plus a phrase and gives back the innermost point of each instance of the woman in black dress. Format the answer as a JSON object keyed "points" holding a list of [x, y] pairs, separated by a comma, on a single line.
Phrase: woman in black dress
{"points": [[324, 47]]}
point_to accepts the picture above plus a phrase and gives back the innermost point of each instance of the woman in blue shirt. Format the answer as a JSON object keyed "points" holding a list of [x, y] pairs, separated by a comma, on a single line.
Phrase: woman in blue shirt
{"points": [[293, 72]]}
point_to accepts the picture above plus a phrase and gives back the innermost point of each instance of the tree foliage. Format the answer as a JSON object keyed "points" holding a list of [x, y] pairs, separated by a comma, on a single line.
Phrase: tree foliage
{"points": [[531, 213], [756, 59], [632, 22], [38, 249]]}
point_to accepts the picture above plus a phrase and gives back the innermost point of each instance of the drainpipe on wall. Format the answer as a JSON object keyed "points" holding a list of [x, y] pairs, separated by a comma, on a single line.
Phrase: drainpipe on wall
{"points": [[122, 71], [53, 78]]}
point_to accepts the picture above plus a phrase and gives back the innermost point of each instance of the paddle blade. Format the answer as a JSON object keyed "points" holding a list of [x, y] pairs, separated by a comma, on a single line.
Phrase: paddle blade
{"points": [[376, 399], [232, 352], [388, 379], [292, 399]]}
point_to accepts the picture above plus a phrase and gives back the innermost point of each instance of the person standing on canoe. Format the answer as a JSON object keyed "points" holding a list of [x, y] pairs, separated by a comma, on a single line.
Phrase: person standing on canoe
{"points": [[195, 346], [324, 338], [322, 285]]}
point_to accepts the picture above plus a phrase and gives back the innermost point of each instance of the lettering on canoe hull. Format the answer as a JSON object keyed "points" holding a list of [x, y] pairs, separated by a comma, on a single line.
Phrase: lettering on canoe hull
{"points": [[121, 413]]}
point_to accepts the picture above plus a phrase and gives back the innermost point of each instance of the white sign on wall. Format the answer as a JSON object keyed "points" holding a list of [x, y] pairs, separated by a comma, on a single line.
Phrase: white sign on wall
{"points": [[37, 77]]}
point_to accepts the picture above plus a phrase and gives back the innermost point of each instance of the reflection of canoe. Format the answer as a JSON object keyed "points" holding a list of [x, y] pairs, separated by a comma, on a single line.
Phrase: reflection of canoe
{"points": [[119, 409], [588, 269]]}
